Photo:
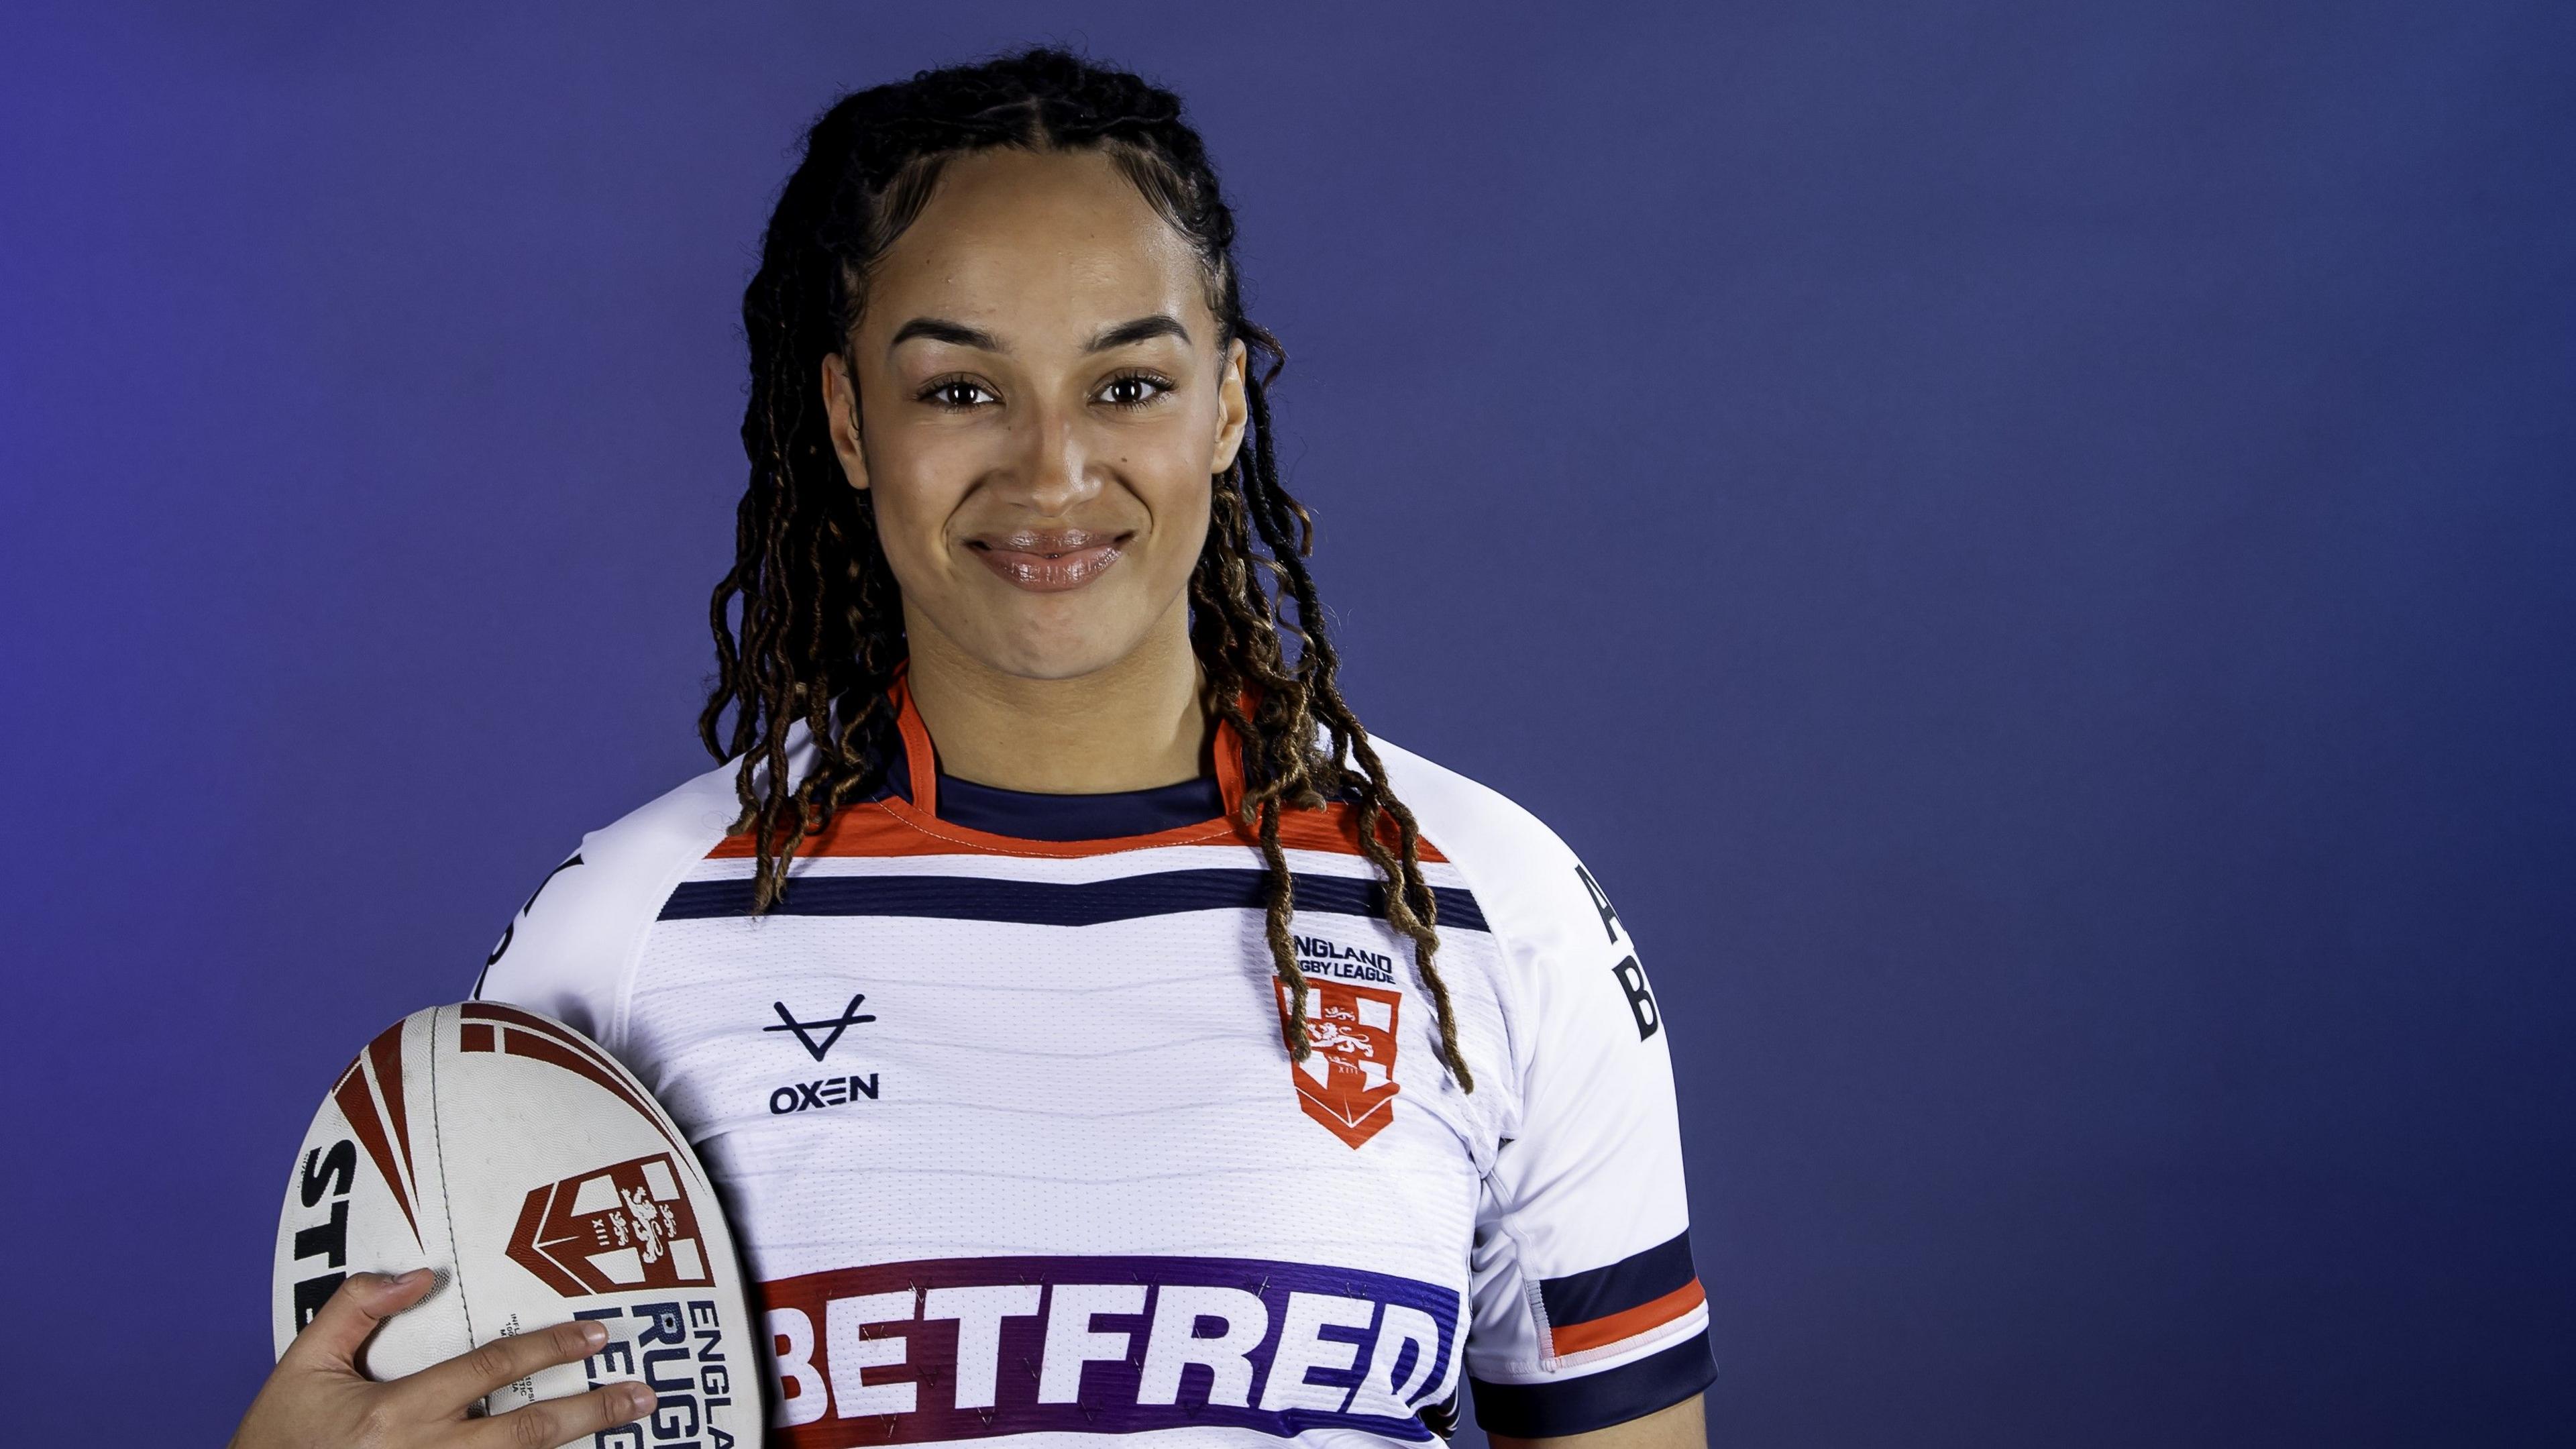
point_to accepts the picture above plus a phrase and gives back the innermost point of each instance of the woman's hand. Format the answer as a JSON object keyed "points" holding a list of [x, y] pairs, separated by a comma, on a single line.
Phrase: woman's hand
{"points": [[317, 1399]]}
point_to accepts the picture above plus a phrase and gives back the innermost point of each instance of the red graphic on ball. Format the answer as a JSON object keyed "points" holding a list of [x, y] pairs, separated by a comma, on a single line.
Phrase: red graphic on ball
{"points": [[1348, 1081], [606, 1231]]}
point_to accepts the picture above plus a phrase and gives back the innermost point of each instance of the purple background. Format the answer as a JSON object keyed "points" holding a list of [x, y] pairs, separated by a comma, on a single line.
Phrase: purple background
{"points": [[2029, 546]]}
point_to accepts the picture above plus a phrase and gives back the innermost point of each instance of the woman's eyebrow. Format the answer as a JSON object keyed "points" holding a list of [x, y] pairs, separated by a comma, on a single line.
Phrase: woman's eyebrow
{"points": [[1125, 334], [1161, 324], [940, 329]]}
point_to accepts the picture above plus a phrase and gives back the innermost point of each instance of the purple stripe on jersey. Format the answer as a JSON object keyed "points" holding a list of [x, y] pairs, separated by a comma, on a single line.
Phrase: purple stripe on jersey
{"points": [[968, 1348]]}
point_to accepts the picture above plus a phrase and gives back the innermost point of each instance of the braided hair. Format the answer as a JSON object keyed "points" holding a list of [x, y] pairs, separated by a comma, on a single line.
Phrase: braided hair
{"points": [[821, 622]]}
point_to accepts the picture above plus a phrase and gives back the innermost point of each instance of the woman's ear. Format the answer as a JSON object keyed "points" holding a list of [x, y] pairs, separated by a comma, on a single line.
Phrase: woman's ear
{"points": [[1231, 408], [841, 404]]}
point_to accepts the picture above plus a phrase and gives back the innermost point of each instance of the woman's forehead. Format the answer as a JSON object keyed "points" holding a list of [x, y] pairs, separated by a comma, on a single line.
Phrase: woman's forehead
{"points": [[1039, 248]]}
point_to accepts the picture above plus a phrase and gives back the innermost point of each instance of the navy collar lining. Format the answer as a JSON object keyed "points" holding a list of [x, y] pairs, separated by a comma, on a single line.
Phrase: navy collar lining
{"points": [[1027, 815]]}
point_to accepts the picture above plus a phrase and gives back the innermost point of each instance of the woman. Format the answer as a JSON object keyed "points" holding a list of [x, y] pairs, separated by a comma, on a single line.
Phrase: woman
{"points": [[1093, 1029]]}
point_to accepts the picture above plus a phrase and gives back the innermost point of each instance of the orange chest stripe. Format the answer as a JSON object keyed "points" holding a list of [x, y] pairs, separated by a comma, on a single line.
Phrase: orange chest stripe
{"points": [[892, 827], [1569, 1338]]}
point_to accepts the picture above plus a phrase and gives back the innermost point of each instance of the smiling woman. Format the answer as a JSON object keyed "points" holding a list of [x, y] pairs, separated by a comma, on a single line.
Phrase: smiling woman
{"points": [[1229, 1076], [1038, 479]]}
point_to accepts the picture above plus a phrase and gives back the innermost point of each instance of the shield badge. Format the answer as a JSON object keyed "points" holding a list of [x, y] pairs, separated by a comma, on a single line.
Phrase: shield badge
{"points": [[627, 1225], [1348, 1081]]}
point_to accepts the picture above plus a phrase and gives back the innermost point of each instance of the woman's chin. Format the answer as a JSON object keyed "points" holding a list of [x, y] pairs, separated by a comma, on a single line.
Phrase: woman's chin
{"points": [[1061, 650], [1064, 634]]}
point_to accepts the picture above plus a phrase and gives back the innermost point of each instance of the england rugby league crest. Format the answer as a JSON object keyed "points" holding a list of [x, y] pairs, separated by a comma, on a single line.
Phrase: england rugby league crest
{"points": [[1347, 1081], [624, 1226]]}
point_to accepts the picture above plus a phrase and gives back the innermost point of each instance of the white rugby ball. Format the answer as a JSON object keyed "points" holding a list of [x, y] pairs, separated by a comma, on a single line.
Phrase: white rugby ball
{"points": [[511, 1154]]}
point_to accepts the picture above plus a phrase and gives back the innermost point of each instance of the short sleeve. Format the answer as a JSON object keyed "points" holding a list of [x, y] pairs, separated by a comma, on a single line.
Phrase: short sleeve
{"points": [[1587, 1310], [570, 952], [547, 962]]}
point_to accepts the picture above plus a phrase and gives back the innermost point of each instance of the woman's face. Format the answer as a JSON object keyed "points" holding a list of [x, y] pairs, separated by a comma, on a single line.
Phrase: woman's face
{"points": [[1040, 405]]}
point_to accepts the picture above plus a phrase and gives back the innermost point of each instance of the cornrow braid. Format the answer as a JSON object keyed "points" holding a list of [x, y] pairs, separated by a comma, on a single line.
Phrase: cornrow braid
{"points": [[808, 622]]}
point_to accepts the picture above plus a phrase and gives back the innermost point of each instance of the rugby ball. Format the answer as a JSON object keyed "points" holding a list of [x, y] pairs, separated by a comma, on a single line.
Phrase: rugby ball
{"points": [[512, 1155]]}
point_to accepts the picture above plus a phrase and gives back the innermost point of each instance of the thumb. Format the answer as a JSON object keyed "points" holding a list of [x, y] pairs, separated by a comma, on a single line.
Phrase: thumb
{"points": [[352, 1312]]}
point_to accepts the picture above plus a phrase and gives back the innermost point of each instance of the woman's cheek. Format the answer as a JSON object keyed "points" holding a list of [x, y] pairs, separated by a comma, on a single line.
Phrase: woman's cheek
{"points": [[915, 500]]}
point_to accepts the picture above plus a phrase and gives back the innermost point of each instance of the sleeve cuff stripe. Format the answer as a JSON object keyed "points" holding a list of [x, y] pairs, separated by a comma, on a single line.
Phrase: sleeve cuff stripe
{"points": [[1567, 1339], [1586, 1402], [1638, 1279]]}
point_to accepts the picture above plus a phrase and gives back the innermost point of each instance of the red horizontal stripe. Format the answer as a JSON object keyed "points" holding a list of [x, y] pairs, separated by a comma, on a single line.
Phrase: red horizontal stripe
{"points": [[1572, 1338], [893, 827]]}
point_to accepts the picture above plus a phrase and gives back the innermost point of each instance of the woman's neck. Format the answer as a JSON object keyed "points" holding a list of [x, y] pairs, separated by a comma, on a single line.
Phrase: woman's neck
{"points": [[1137, 724]]}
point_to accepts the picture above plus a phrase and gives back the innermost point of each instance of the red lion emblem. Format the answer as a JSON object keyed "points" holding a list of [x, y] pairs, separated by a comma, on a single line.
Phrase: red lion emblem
{"points": [[1348, 1081], [624, 1226]]}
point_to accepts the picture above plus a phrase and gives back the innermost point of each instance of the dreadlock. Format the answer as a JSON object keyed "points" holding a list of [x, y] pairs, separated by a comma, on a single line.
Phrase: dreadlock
{"points": [[821, 621]]}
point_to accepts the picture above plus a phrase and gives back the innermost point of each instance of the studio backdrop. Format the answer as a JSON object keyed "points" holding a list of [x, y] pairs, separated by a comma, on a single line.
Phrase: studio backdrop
{"points": [[2028, 546]]}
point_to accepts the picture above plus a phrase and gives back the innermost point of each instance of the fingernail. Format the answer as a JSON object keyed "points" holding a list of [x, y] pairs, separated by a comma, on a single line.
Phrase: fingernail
{"points": [[639, 1400], [593, 1334], [397, 1280]]}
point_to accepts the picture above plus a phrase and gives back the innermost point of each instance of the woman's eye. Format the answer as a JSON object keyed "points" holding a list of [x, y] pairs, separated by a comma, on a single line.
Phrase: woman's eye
{"points": [[1133, 390], [955, 393]]}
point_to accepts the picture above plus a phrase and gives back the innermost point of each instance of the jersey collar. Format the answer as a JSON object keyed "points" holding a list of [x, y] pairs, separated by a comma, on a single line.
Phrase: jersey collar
{"points": [[1026, 815]]}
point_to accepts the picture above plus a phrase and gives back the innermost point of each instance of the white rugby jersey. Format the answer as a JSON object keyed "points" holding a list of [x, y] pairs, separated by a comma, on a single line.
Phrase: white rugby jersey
{"points": [[999, 1102]]}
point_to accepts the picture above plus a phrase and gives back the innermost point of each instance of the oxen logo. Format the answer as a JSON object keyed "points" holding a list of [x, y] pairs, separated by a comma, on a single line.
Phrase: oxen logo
{"points": [[850, 1016], [1348, 1081], [621, 1227]]}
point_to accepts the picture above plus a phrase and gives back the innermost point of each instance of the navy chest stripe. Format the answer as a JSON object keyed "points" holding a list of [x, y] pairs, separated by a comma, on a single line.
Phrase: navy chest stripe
{"points": [[1052, 903]]}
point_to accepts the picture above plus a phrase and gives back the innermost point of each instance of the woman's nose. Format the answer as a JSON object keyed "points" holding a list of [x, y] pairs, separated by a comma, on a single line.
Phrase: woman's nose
{"points": [[1056, 463]]}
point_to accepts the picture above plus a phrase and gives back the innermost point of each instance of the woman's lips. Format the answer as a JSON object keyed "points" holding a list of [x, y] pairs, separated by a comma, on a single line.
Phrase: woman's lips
{"points": [[1047, 561]]}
